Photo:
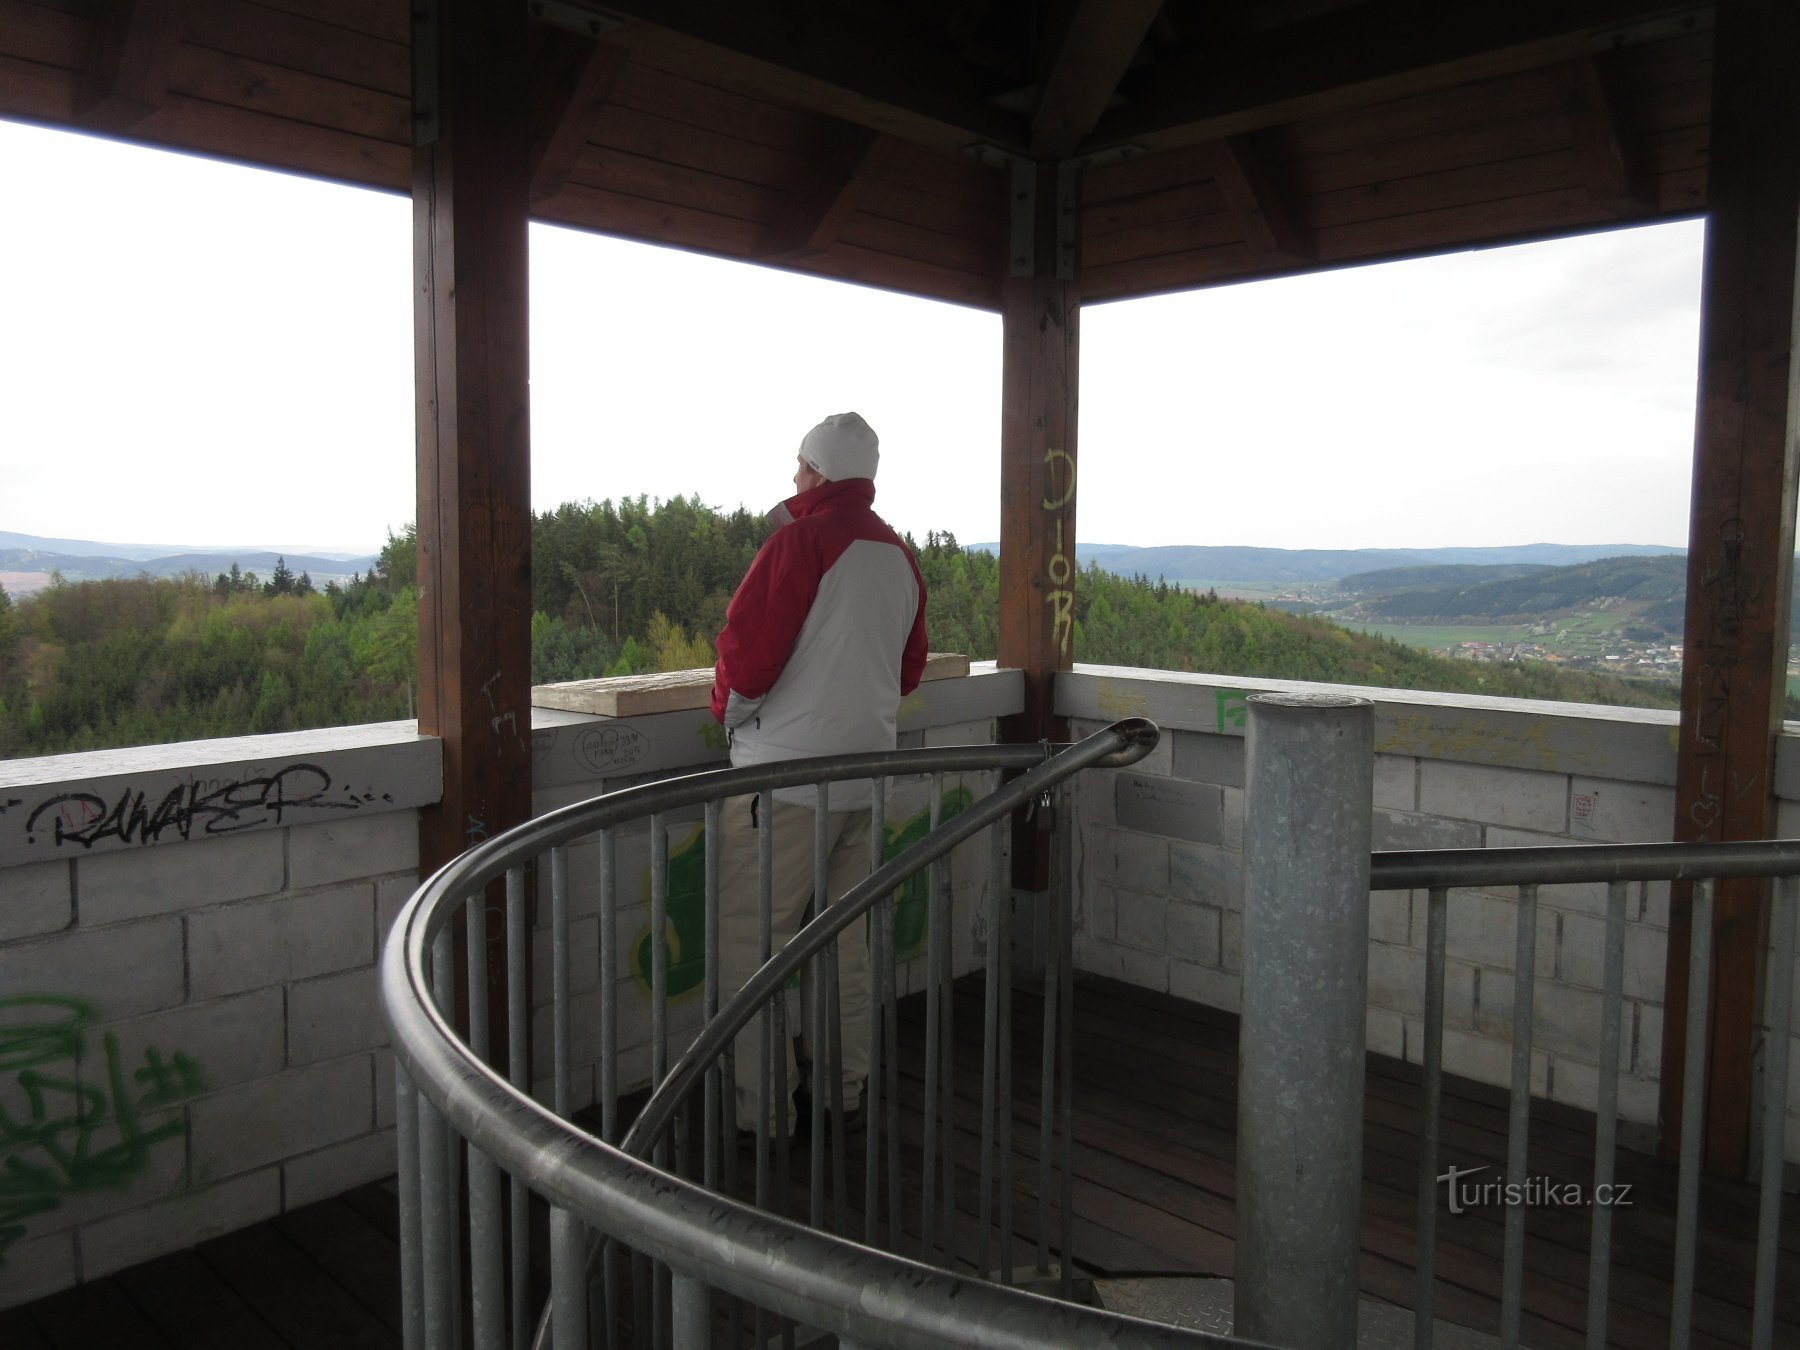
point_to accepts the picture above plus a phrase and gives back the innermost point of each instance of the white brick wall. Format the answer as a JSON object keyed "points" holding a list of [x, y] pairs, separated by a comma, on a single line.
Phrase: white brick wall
{"points": [[221, 991], [1450, 772]]}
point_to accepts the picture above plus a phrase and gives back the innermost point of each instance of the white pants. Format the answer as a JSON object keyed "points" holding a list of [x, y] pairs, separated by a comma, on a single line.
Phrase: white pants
{"points": [[791, 895]]}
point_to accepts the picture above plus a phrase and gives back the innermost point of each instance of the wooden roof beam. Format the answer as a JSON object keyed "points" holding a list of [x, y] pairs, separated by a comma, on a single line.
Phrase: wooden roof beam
{"points": [[128, 79], [1600, 154], [1097, 46], [570, 76], [884, 80], [849, 163], [1262, 207], [1396, 48]]}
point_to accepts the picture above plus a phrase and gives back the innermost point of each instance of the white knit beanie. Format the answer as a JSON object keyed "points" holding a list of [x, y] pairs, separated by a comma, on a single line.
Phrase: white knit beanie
{"points": [[842, 446]]}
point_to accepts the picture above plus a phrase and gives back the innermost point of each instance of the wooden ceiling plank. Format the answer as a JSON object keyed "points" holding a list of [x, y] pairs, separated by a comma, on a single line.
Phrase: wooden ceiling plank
{"points": [[299, 96], [1259, 201], [35, 92], [1097, 47], [1407, 48], [45, 36], [709, 149], [298, 42], [849, 163], [128, 76], [893, 85], [571, 77], [604, 167], [1606, 165]]}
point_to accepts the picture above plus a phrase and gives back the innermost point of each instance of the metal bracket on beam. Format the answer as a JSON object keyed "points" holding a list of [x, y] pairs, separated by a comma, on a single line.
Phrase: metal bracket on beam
{"points": [[1021, 191], [562, 14], [1068, 216], [427, 104]]}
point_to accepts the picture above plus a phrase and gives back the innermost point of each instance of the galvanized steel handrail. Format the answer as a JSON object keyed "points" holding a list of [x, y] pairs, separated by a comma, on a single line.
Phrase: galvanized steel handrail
{"points": [[1456, 868], [867, 1297], [1437, 872]]}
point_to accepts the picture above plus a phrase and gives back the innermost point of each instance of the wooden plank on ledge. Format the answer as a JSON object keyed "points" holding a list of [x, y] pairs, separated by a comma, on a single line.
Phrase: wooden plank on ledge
{"points": [[676, 690]]}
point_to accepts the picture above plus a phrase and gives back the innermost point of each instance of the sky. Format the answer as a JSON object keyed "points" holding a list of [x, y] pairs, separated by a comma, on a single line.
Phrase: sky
{"points": [[194, 353]]}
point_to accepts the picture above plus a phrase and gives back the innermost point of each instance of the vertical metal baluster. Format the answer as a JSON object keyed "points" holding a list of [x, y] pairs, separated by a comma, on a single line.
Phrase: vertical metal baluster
{"points": [[934, 997], [487, 1286], [412, 1269], [721, 1079], [1003, 881], [879, 935], [940, 875], [518, 1072], [890, 1034], [834, 1062], [1775, 1096], [659, 1039], [1693, 1087], [1430, 1124], [1064, 882], [767, 1026], [568, 1281], [563, 1067], [1519, 1118], [710, 1131], [1606, 1117], [1047, 1067], [816, 1046], [990, 1058], [437, 1185], [609, 1057], [568, 1277]]}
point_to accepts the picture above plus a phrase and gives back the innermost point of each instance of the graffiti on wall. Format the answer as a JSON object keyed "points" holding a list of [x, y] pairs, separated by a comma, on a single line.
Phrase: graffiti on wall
{"points": [[686, 930], [1059, 571], [202, 806], [73, 1121]]}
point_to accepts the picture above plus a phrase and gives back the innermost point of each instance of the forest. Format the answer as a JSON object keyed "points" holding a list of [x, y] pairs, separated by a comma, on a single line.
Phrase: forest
{"points": [[617, 588]]}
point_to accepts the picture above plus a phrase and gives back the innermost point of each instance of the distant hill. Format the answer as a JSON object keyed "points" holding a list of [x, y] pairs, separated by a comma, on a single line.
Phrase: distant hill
{"points": [[1224, 563], [1650, 591], [1652, 585], [26, 561]]}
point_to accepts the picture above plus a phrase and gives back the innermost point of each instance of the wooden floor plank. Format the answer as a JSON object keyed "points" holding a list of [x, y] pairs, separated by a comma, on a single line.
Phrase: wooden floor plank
{"points": [[19, 1332], [304, 1305], [194, 1308], [1154, 1185], [353, 1251], [93, 1315]]}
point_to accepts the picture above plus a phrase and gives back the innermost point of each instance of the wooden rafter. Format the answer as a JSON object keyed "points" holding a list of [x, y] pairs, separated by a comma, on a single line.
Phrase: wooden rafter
{"points": [[1094, 50], [1385, 50], [887, 81], [848, 164], [570, 76], [1600, 153], [128, 78], [1262, 208]]}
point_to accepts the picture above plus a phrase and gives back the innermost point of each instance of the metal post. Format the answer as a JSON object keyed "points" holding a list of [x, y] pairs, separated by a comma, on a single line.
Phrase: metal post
{"points": [[1309, 781]]}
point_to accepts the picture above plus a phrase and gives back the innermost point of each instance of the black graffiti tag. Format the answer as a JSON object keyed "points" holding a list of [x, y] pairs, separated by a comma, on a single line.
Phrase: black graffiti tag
{"points": [[85, 818]]}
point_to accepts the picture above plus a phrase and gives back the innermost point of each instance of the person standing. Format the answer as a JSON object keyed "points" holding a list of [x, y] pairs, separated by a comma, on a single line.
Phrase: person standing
{"points": [[824, 637]]}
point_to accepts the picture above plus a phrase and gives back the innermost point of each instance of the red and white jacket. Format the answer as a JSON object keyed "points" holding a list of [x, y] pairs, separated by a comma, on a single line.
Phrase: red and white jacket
{"points": [[825, 636]]}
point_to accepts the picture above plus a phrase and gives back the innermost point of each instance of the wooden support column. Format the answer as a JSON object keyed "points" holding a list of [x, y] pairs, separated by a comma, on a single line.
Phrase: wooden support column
{"points": [[1040, 315], [1741, 545], [471, 184]]}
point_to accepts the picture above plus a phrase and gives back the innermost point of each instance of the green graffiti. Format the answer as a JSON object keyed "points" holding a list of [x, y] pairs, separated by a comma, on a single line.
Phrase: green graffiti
{"points": [[713, 736], [687, 919], [912, 897], [60, 1136], [687, 901]]}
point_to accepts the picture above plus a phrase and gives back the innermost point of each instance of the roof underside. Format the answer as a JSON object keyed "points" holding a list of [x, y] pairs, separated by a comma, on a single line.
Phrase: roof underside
{"points": [[868, 139]]}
